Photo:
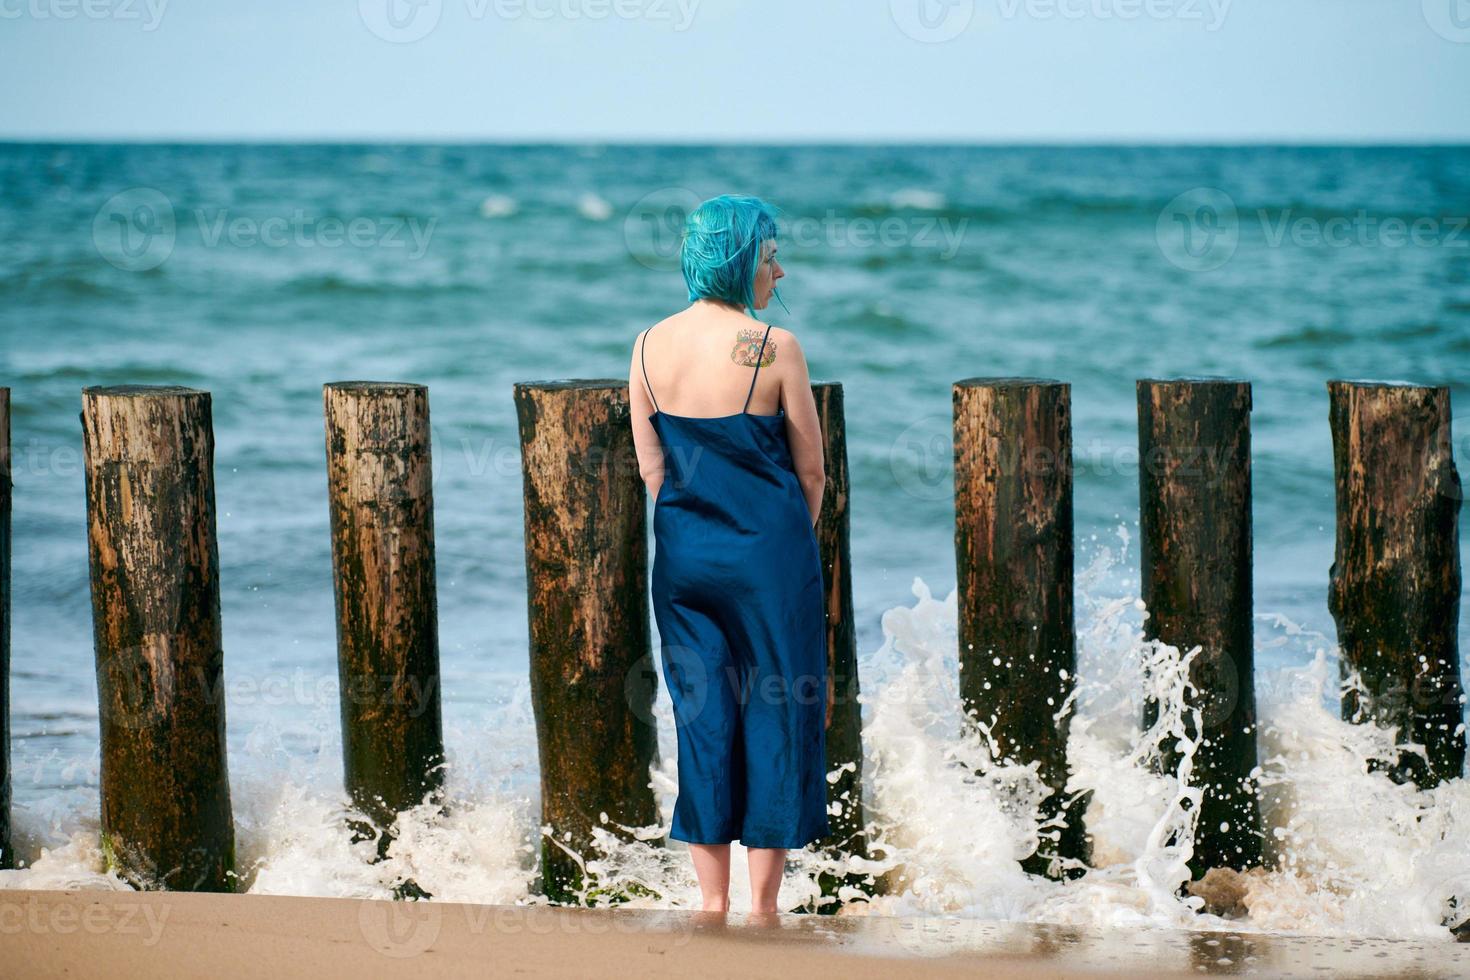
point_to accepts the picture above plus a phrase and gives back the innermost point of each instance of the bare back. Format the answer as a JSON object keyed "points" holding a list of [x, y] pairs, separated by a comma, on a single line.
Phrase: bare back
{"points": [[702, 363]]}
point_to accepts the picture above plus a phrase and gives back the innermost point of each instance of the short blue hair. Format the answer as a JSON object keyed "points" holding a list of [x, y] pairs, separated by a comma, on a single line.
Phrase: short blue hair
{"points": [[723, 240]]}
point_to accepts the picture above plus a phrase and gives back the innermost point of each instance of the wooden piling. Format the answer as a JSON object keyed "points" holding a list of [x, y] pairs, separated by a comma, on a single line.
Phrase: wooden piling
{"points": [[1395, 578], [593, 677], [7, 854], [381, 501], [844, 733], [149, 468], [1195, 542], [1013, 559]]}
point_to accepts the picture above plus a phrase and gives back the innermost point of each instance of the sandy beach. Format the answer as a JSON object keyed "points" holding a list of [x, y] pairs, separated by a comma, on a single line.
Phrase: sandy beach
{"points": [[126, 935]]}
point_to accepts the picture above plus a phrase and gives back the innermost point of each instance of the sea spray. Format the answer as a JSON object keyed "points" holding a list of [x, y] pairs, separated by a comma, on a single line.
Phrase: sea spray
{"points": [[1351, 852]]}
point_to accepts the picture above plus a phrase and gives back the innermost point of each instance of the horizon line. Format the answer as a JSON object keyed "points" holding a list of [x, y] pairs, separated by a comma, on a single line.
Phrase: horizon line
{"points": [[657, 141]]}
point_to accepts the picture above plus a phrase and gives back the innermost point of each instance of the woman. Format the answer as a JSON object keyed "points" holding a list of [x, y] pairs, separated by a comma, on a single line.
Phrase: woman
{"points": [[737, 577]]}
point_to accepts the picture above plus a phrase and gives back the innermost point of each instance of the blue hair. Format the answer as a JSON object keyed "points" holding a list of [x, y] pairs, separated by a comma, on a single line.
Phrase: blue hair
{"points": [[723, 241]]}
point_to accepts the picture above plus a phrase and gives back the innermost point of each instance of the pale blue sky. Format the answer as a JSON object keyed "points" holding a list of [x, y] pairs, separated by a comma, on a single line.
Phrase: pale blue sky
{"points": [[758, 70]]}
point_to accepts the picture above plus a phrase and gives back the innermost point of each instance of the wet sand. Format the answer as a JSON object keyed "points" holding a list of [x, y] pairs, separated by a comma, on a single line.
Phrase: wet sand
{"points": [[128, 935]]}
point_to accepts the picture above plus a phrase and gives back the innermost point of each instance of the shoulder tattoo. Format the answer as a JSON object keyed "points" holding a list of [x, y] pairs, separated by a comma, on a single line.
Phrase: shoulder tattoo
{"points": [[748, 347]]}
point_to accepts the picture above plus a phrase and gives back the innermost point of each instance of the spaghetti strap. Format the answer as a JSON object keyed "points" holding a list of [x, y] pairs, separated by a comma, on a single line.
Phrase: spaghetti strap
{"points": [[641, 342], [758, 358]]}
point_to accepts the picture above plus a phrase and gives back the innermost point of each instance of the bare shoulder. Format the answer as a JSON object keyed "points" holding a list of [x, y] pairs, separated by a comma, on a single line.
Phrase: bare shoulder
{"points": [[771, 347], [638, 340]]}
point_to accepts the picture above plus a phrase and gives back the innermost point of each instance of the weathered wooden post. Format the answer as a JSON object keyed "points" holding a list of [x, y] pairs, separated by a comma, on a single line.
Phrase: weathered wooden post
{"points": [[1395, 581], [844, 734], [593, 677], [7, 855], [149, 466], [380, 493], [1195, 542], [1013, 558]]}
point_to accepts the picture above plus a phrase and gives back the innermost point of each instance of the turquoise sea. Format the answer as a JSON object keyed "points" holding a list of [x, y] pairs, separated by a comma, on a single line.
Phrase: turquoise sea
{"points": [[260, 272]]}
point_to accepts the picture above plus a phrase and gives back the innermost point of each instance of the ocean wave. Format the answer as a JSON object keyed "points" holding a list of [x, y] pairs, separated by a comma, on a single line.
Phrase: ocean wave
{"points": [[498, 206]]}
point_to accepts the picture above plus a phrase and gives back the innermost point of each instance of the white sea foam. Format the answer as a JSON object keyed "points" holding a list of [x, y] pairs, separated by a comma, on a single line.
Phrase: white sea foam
{"points": [[1354, 854], [594, 208], [917, 199], [498, 206]]}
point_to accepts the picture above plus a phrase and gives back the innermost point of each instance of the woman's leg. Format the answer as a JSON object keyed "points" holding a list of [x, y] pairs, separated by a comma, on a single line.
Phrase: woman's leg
{"points": [[712, 868], [767, 865]]}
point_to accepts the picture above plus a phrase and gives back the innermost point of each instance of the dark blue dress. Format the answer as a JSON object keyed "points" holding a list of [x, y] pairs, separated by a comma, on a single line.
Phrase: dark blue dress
{"points": [[737, 595]]}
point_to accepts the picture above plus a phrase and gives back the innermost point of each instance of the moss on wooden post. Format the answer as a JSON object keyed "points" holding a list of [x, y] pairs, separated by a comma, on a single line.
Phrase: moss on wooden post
{"points": [[149, 465]]}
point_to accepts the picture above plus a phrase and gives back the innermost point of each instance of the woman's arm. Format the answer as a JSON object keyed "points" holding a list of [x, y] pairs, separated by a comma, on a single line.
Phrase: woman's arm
{"points": [[803, 427], [646, 443]]}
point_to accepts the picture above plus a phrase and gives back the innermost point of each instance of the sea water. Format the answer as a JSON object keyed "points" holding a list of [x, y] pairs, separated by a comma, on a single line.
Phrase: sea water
{"points": [[261, 272]]}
